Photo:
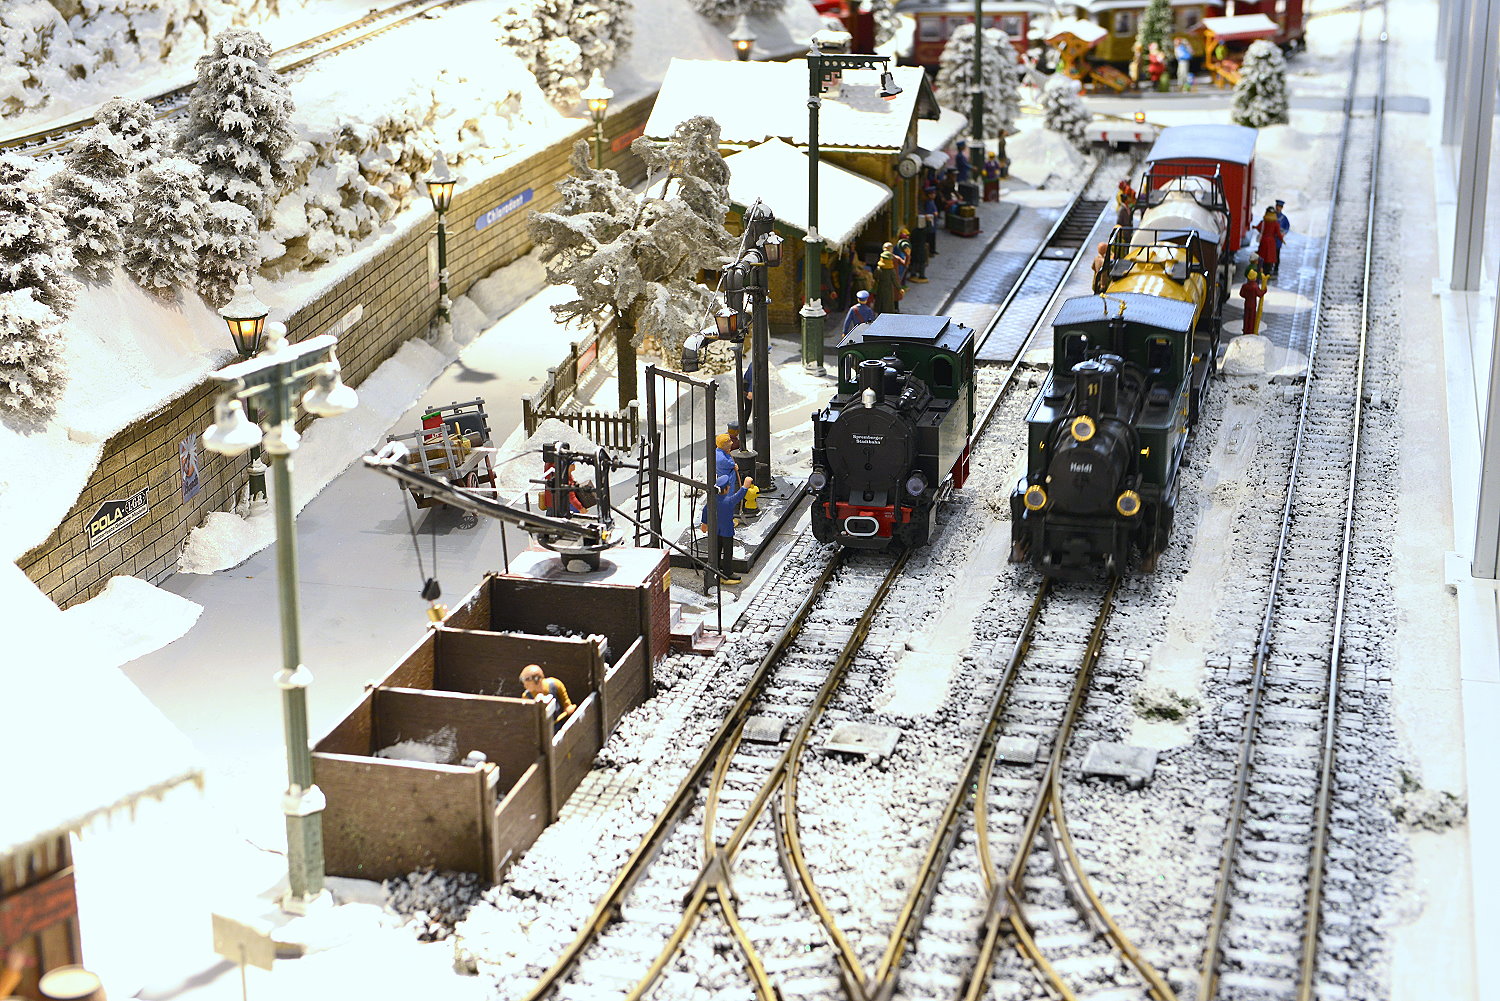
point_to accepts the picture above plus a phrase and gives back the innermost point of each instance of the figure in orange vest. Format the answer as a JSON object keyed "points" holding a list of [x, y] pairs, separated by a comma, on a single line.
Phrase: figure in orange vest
{"points": [[1252, 292], [1269, 248]]}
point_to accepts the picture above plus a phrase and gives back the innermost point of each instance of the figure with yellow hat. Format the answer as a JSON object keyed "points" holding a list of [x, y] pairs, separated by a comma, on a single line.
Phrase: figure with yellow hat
{"points": [[1252, 292], [885, 282]]}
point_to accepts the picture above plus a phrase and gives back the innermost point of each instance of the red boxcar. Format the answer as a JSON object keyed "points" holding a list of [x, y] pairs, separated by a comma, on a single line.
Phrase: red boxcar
{"points": [[936, 19], [1229, 151]]}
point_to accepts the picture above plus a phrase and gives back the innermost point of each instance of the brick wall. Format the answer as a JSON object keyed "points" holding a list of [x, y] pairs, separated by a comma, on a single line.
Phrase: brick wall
{"points": [[392, 290]]}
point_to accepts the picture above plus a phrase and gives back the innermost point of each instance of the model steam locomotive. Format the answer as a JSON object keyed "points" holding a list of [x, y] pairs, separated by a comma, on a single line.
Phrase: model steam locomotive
{"points": [[1132, 364], [895, 438]]}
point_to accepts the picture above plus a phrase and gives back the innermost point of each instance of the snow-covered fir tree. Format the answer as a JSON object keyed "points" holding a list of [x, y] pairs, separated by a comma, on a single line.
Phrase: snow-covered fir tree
{"points": [[239, 122], [635, 257], [166, 233], [1063, 110], [954, 84], [562, 42], [93, 196], [886, 21], [1260, 97], [229, 251], [146, 139], [725, 11], [36, 292], [1156, 26]]}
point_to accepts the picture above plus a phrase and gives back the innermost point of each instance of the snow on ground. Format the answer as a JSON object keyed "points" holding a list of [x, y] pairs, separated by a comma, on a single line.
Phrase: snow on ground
{"points": [[1039, 155]]}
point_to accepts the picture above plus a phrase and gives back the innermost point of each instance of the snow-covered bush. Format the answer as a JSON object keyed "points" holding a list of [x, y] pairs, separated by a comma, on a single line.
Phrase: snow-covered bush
{"points": [[1002, 78], [563, 41], [135, 125], [1063, 110], [229, 251], [725, 11], [1260, 97], [634, 257], [886, 22], [92, 196], [166, 233], [239, 122], [36, 292]]}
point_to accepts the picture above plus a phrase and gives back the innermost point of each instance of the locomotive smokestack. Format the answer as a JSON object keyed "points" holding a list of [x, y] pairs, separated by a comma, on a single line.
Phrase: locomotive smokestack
{"points": [[1094, 386], [1109, 382], [871, 381]]}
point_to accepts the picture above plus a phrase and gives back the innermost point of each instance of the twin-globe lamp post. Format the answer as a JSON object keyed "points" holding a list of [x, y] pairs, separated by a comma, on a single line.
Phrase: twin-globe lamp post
{"points": [[597, 96], [820, 70], [747, 286], [273, 380], [440, 185]]}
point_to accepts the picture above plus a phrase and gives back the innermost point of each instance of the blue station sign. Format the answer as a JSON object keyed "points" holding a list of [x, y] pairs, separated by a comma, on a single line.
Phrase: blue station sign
{"points": [[502, 210]]}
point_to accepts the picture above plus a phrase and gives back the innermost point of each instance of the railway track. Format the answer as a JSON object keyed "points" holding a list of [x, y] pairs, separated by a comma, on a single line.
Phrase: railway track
{"points": [[56, 138], [1266, 934]]}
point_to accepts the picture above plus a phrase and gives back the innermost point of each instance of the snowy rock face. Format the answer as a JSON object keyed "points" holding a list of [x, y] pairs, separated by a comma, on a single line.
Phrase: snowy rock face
{"points": [[54, 50]]}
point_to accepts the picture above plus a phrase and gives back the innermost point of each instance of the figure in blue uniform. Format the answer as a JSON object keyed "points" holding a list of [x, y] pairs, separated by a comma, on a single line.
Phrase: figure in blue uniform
{"points": [[727, 501]]}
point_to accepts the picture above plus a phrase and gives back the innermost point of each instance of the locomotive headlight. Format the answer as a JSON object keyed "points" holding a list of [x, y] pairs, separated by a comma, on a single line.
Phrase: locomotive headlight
{"points": [[819, 478], [1035, 498], [1128, 504], [916, 483], [1082, 427]]}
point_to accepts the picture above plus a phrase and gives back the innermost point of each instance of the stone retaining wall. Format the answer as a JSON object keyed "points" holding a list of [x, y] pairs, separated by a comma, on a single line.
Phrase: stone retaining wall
{"points": [[392, 293]]}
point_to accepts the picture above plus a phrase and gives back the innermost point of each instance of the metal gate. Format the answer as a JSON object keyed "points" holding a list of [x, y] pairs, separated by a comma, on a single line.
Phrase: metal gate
{"points": [[680, 425]]}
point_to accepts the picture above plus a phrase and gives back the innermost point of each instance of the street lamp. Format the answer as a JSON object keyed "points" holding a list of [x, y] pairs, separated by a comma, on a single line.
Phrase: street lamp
{"points": [[976, 102], [245, 316], [440, 185], [743, 37], [820, 69], [748, 284], [597, 96], [274, 379]]}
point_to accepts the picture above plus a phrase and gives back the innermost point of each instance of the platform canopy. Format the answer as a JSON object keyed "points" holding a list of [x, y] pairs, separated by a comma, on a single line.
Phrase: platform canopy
{"points": [[1241, 27], [755, 101], [1085, 31], [934, 134], [776, 172]]}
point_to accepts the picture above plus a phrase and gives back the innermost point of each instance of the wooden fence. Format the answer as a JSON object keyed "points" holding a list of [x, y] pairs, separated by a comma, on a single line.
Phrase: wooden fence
{"points": [[614, 429]]}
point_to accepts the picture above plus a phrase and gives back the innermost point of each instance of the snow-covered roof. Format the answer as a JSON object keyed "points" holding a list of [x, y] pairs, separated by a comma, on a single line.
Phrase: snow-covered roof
{"points": [[1241, 27], [1229, 143], [1084, 31], [934, 134], [755, 101], [79, 740], [776, 173], [1098, 6]]}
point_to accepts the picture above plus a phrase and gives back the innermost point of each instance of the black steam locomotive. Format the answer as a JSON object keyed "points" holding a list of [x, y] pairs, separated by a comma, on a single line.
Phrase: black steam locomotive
{"points": [[895, 438]]}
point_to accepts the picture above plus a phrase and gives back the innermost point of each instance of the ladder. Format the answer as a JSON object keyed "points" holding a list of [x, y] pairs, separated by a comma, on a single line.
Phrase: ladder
{"points": [[645, 486]]}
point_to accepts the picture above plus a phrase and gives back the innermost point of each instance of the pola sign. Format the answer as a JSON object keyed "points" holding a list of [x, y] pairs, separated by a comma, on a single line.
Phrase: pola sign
{"points": [[113, 515]]}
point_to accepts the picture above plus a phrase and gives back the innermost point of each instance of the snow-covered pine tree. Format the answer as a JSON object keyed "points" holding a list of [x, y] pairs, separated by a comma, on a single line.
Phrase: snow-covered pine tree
{"points": [[635, 257], [1156, 26], [31, 362], [133, 122], [1063, 110], [229, 252], [725, 11], [563, 41], [239, 122], [36, 292], [1260, 97], [92, 195], [34, 250], [165, 236], [886, 21], [1002, 78]]}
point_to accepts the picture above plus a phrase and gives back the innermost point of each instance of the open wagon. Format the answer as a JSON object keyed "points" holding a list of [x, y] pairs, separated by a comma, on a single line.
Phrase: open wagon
{"points": [[453, 446]]}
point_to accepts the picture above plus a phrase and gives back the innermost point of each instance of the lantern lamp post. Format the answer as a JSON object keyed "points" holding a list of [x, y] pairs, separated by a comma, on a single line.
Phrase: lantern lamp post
{"points": [[743, 37], [597, 96], [245, 316], [275, 378], [821, 69], [440, 185]]}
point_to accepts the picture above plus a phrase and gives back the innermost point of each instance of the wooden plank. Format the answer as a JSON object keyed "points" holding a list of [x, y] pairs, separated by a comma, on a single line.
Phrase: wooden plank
{"points": [[574, 748], [518, 821], [417, 668], [527, 605], [625, 686], [473, 612], [354, 733], [387, 818], [495, 727], [485, 662]]}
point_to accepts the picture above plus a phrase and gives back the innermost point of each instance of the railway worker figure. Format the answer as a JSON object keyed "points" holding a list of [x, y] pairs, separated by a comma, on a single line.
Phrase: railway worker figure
{"points": [[961, 161], [919, 252], [930, 211], [1183, 53], [574, 505], [1286, 224], [1252, 291], [540, 688], [885, 283], [724, 464], [860, 312], [727, 500], [991, 173], [1269, 248]]}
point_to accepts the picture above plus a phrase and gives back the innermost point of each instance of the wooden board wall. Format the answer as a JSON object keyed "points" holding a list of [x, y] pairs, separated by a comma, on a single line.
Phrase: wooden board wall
{"points": [[524, 605], [387, 818], [502, 729], [574, 748], [353, 734], [489, 663], [518, 820], [626, 685]]}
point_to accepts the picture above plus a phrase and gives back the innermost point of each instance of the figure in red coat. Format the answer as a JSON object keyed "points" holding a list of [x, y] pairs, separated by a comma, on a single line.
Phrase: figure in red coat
{"points": [[1269, 248], [1252, 292]]}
